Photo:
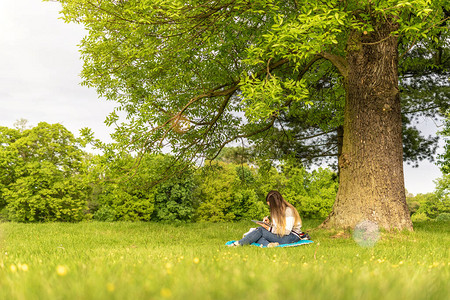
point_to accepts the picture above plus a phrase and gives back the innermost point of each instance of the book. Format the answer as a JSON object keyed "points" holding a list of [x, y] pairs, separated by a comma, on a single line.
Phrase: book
{"points": [[261, 223]]}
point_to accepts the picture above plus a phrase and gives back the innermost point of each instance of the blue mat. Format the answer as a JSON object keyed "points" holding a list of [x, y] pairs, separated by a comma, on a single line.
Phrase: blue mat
{"points": [[299, 243]]}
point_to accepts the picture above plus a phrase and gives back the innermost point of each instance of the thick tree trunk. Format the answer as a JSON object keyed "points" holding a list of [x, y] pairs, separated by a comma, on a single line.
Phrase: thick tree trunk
{"points": [[371, 163]]}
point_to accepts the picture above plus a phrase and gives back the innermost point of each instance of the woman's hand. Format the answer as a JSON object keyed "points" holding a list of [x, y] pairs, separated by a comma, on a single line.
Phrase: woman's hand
{"points": [[266, 220]]}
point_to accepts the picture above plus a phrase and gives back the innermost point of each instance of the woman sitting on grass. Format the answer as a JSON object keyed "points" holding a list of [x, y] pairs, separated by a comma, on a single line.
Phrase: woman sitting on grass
{"points": [[284, 229]]}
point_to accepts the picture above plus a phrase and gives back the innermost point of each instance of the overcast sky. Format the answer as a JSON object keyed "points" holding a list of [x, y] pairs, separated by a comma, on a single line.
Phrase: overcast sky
{"points": [[39, 70], [39, 79]]}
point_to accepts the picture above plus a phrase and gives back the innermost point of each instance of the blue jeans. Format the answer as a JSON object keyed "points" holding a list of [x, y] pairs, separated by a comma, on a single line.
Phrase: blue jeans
{"points": [[264, 237]]}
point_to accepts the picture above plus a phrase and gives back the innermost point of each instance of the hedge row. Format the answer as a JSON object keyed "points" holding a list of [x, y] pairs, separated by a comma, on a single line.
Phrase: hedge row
{"points": [[46, 176]]}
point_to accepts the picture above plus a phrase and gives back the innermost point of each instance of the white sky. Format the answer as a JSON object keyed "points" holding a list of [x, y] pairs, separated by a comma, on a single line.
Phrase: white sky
{"points": [[39, 70], [39, 79]]}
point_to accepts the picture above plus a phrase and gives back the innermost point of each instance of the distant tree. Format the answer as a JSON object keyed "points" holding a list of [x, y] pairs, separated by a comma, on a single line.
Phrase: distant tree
{"points": [[312, 193], [413, 204], [41, 174], [429, 206], [443, 184], [21, 124], [445, 157], [237, 155], [437, 204], [7, 173]]}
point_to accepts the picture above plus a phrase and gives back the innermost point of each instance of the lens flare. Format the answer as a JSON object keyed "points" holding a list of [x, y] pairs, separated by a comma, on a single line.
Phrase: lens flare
{"points": [[366, 234], [181, 124]]}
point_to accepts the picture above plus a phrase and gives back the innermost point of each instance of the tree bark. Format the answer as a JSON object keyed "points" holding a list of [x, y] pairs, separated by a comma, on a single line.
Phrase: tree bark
{"points": [[371, 163], [340, 143]]}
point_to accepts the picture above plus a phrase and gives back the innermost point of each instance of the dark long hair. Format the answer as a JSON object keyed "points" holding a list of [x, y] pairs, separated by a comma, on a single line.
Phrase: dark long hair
{"points": [[278, 211]]}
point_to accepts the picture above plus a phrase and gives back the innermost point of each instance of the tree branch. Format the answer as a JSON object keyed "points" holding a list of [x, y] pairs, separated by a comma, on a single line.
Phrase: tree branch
{"points": [[338, 61], [267, 127]]}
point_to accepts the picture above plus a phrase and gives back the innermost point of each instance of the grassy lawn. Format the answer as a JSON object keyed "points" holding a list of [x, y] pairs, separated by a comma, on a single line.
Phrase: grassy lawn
{"points": [[157, 261]]}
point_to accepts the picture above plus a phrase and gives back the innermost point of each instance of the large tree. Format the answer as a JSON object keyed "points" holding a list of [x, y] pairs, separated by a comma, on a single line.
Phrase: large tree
{"points": [[197, 75]]}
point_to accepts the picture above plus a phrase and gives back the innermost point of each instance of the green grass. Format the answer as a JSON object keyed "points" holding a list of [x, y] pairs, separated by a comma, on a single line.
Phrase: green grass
{"points": [[158, 261]]}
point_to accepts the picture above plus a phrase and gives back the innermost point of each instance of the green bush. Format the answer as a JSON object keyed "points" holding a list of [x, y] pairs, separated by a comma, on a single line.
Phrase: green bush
{"points": [[105, 214], [120, 187], [419, 217], [45, 196], [234, 192], [3, 214], [227, 192], [126, 195], [172, 196], [443, 217], [313, 193], [173, 200], [136, 197], [430, 204], [413, 206], [247, 205], [125, 205]]}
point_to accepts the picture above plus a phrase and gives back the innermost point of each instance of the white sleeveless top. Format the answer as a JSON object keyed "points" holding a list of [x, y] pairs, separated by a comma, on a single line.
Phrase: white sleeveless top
{"points": [[290, 226]]}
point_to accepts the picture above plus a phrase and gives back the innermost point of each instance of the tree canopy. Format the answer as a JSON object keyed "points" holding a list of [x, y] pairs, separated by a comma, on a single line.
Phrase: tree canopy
{"points": [[200, 63]]}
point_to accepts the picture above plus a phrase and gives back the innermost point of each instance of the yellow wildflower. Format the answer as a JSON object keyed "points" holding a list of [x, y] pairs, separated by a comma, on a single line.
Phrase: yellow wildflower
{"points": [[24, 267], [110, 287], [166, 293], [61, 270]]}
